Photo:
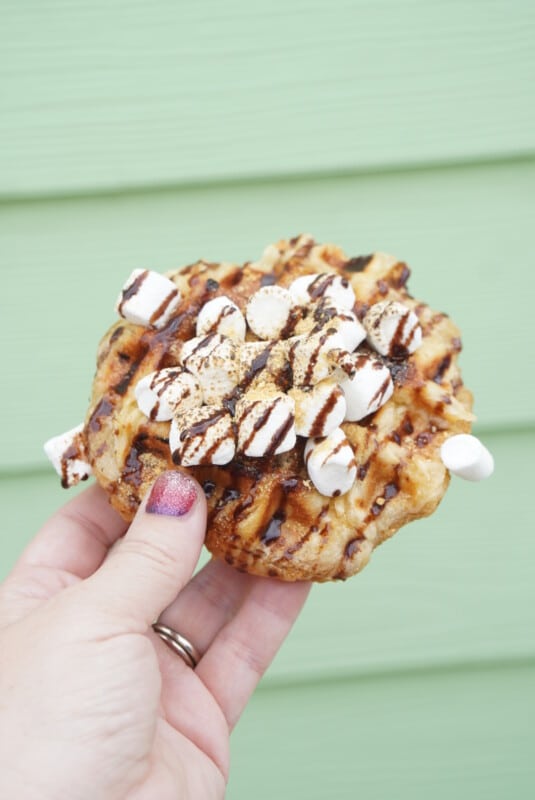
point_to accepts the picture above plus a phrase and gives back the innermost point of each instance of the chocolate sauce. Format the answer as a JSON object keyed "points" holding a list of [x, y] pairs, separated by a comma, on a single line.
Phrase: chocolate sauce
{"points": [[400, 274], [352, 547], [390, 491], [382, 287], [317, 427], [103, 409], [162, 308], [199, 428], [209, 488], [289, 484], [273, 529], [441, 368], [362, 470], [122, 387], [423, 438], [116, 334], [131, 290], [358, 263], [228, 496]]}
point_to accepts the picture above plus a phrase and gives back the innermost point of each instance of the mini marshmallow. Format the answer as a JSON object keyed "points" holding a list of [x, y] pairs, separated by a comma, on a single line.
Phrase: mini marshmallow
{"points": [[467, 457], [331, 463], [268, 311], [319, 410], [67, 454], [368, 387], [166, 392], [202, 436], [221, 315], [199, 347], [308, 288], [265, 424], [349, 331], [392, 329], [217, 370], [148, 298], [309, 356]]}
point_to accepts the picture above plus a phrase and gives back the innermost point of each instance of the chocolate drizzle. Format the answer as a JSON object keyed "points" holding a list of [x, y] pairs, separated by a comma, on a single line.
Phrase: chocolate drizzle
{"points": [[358, 263], [132, 290], [273, 529]]}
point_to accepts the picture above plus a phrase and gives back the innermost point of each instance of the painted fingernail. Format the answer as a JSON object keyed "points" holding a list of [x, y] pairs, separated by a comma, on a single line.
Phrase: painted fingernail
{"points": [[172, 495]]}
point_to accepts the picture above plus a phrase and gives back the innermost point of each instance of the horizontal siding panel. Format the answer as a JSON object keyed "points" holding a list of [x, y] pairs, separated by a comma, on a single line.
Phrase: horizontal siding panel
{"points": [[465, 734], [463, 230], [454, 588], [107, 94]]}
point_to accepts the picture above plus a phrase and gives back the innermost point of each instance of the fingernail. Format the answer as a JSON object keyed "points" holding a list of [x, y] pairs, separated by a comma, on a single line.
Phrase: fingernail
{"points": [[173, 495]]}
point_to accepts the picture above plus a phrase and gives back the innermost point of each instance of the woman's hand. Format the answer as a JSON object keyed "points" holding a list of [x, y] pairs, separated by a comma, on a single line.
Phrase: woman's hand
{"points": [[93, 703]]}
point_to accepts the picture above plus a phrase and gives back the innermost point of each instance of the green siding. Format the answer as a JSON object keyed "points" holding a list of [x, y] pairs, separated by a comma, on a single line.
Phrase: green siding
{"points": [[435, 735], [111, 94], [149, 135]]}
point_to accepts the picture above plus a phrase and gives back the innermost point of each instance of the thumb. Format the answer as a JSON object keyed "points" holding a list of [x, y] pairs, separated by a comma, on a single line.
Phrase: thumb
{"points": [[157, 557]]}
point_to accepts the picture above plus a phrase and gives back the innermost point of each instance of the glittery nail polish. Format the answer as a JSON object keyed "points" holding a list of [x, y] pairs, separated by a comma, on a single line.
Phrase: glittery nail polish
{"points": [[172, 495]]}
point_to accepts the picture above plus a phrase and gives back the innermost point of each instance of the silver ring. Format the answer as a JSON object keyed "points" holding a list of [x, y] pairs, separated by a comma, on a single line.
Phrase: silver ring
{"points": [[178, 643]]}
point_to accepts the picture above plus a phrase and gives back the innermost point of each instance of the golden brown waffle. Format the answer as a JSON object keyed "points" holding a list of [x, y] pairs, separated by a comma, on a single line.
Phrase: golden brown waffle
{"points": [[265, 516]]}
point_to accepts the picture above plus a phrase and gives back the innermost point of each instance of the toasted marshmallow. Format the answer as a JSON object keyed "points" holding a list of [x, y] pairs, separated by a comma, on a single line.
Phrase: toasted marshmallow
{"points": [[268, 311], [467, 457], [367, 388], [253, 358], [202, 435], [148, 298], [166, 392], [221, 315], [308, 288], [216, 370], [309, 356], [199, 347], [319, 410], [68, 456], [393, 329], [331, 463], [349, 331], [265, 424]]}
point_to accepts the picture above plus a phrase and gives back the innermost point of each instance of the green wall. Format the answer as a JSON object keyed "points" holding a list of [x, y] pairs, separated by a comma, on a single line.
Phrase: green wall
{"points": [[136, 134]]}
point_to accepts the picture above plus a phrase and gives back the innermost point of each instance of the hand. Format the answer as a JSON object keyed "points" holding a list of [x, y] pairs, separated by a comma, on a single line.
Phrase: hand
{"points": [[93, 703]]}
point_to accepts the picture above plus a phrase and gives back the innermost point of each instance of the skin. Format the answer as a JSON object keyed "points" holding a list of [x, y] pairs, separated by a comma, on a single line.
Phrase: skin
{"points": [[93, 703]]}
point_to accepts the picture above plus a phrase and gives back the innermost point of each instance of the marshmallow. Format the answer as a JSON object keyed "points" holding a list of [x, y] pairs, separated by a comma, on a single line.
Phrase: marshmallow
{"points": [[202, 436], [199, 347], [331, 463], [392, 329], [67, 454], [309, 357], [308, 288], [216, 370], [269, 311], [319, 410], [349, 332], [367, 388], [166, 392], [221, 315], [148, 298], [467, 457], [265, 424]]}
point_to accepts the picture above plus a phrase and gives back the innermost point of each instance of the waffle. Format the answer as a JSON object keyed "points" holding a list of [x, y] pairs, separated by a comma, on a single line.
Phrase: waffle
{"points": [[265, 516]]}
